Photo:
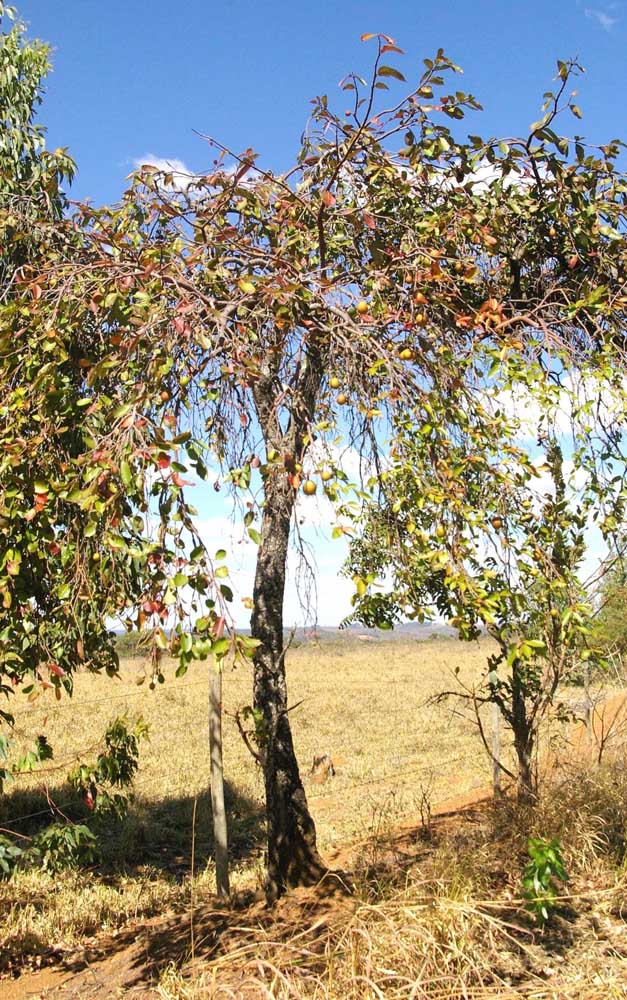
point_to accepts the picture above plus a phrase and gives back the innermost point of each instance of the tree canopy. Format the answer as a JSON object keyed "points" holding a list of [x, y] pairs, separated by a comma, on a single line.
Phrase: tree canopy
{"points": [[394, 275]]}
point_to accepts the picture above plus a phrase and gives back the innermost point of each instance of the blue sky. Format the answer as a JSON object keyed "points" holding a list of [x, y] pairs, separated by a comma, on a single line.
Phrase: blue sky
{"points": [[135, 77], [132, 80]]}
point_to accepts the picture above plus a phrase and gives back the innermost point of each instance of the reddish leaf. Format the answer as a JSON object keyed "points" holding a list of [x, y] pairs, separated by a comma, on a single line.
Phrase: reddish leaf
{"points": [[176, 479], [184, 308]]}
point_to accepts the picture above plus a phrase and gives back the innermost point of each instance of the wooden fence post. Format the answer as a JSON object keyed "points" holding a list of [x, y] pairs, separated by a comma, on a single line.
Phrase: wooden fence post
{"points": [[220, 833]]}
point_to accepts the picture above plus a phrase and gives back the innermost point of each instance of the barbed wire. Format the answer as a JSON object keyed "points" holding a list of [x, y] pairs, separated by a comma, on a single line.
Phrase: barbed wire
{"points": [[148, 779], [136, 691]]}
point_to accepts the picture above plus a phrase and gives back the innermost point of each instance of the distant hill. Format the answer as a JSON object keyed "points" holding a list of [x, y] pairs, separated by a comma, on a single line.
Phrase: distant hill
{"points": [[127, 643], [404, 631]]}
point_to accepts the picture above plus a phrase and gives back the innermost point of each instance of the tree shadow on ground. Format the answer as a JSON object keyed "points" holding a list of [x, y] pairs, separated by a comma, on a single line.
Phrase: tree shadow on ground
{"points": [[158, 833], [161, 832]]}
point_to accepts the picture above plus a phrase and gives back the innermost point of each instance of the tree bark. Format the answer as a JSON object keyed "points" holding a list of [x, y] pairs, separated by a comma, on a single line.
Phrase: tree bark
{"points": [[220, 830], [293, 857], [524, 738]]}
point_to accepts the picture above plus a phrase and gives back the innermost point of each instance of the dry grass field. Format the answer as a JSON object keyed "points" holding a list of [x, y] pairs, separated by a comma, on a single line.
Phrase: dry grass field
{"points": [[366, 704], [369, 706]]}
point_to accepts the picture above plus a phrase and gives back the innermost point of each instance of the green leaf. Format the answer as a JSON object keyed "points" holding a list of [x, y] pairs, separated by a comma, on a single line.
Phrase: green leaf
{"points": [[125, 473], [220, 647], [160, 639], [391, 71]]}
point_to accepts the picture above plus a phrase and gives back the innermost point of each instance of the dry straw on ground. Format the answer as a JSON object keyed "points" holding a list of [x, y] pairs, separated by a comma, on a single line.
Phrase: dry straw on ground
{"points": [[434, 913]]}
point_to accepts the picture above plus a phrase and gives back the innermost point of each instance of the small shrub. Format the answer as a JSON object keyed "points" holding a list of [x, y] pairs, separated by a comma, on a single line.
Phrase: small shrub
{"points": [[63, 845], [104, 787], [114, 769], [10, 855], [539, 877]]}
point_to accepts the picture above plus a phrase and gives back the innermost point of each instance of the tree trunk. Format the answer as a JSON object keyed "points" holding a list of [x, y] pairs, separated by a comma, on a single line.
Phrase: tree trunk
{"points": [[524, 739], [293, 857], [220, 831]]}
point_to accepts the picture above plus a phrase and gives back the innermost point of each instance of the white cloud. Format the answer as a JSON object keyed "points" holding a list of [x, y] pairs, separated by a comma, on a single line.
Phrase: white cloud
{"points": [[605, 19], [519, 405], [181, 175], [588, 401], [331, 598]]}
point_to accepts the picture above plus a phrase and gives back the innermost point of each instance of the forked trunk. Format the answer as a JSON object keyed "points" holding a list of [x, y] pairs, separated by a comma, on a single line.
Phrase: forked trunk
{"points": [[293, 857]]}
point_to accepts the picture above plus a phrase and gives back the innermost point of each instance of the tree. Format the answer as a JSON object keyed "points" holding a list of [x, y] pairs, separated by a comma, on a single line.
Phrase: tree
{"points": [[31, 207], [610, 623], [471, 529], [225, 315], [455, 524]]}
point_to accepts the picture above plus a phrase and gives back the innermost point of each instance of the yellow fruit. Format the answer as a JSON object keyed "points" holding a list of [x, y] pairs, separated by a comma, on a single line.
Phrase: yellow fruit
{"points": [[309, 487], [440, 531], [497, 522], [342, 398], [406, 354], [420, 319], [334, 382], [362, 307], [420, 298], [326, 474]]}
